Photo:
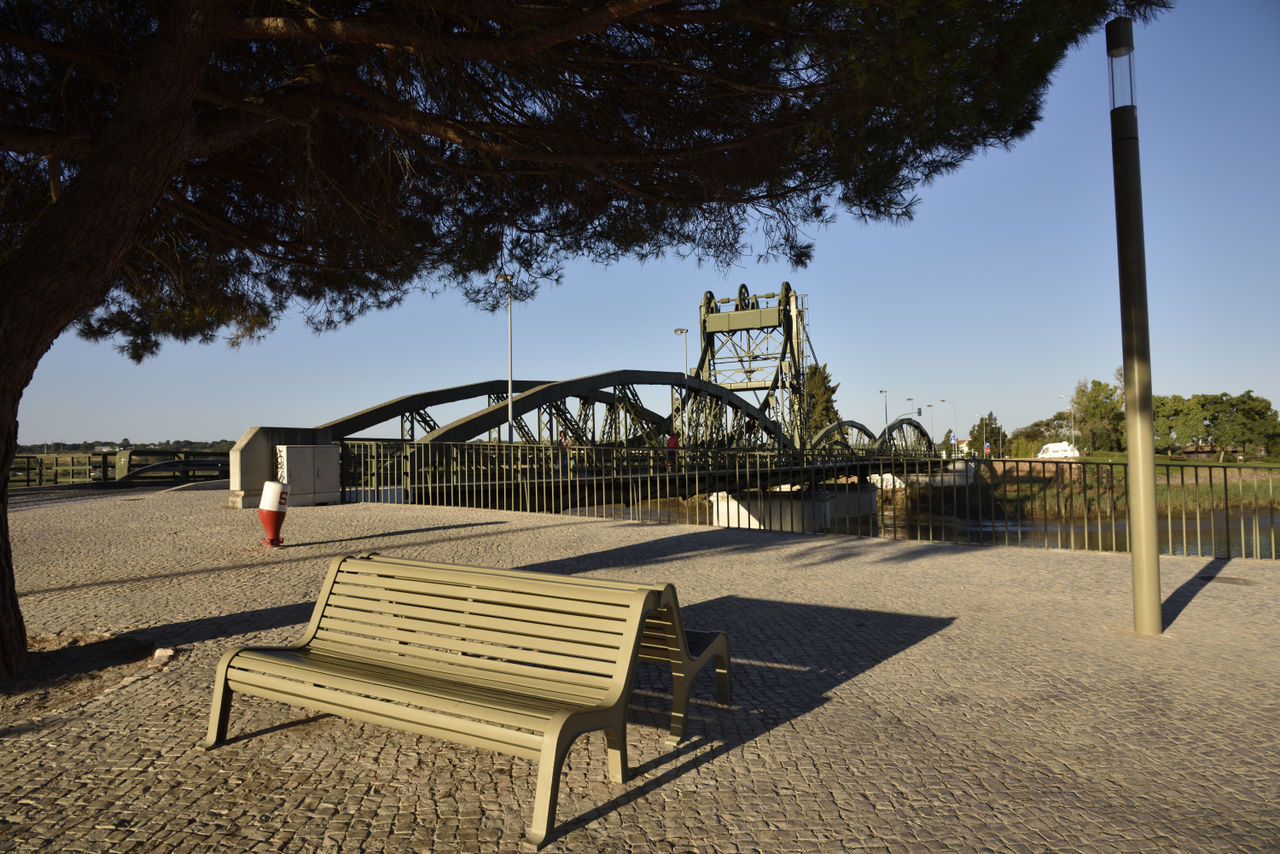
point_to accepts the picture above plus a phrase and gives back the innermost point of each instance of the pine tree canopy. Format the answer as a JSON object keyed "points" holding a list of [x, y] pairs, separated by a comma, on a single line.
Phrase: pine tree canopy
{"points": [[191, 169], [336, 155]]}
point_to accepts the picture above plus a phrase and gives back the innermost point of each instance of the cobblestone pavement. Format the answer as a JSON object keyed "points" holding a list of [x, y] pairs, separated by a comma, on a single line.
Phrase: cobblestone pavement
{"points": [[889, 696]]}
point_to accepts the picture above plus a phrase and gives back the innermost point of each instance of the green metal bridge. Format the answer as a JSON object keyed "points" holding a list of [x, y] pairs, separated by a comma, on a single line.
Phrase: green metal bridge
{"points": [[602, 439], [746, 393]]}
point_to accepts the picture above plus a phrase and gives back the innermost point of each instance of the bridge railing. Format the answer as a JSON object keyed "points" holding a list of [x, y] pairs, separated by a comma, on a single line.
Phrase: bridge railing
{"points": [[1219, 510]]}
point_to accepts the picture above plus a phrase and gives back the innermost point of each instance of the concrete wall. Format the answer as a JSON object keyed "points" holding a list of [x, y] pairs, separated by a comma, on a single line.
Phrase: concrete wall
{"points": [[253, 459], [777, 511]]}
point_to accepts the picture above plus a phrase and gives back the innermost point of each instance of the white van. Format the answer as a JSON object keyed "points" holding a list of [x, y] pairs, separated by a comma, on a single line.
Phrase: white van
{"points": [[1058, 451]]}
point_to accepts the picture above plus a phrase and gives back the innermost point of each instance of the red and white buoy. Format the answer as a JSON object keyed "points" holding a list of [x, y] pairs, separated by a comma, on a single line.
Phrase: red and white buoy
{"points": [[275, 498]]}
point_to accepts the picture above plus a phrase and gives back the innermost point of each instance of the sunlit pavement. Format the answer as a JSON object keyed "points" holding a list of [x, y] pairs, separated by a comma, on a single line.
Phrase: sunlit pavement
{"points": [[889, 696]]}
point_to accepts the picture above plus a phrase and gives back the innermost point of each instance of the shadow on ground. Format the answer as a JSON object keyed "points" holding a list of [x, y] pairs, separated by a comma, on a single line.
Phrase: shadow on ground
{"points": [[788, 658], [67, 668]]}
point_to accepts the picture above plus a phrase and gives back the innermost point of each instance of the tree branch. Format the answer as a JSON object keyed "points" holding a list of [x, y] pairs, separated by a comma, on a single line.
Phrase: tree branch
{"points": [[44, 143], [355, 31]]}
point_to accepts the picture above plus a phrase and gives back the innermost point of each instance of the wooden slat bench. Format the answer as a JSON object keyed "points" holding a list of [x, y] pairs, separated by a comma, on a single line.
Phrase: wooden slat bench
{"points": [[666, 640], [522, 665]]}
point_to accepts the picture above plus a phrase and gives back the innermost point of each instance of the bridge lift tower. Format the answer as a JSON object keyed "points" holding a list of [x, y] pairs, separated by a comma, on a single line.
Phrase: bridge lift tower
{"points": [[757, 345]]}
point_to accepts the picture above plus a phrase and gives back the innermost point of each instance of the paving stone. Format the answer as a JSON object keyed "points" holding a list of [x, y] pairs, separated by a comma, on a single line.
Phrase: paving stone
{"points": [[889, 697]]}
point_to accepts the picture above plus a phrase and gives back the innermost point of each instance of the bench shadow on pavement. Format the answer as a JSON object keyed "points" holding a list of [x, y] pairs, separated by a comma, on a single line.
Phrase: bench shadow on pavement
{"points": [[787, 660], [229, 625]]}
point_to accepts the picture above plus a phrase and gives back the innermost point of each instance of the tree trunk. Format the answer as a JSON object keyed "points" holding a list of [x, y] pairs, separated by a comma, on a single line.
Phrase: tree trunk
{"points": [[13, 632], [66, 261]]}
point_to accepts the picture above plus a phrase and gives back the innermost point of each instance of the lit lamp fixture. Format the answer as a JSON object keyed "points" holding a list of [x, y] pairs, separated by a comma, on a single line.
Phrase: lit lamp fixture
{"points": [[1135, 332], [1120, 54]]}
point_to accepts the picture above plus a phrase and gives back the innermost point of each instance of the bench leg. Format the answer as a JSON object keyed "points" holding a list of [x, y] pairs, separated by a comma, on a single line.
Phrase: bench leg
{"points": [[682, 685], [724, 688], [220, 708], [219, 713], [616, 742], [554, 749]]}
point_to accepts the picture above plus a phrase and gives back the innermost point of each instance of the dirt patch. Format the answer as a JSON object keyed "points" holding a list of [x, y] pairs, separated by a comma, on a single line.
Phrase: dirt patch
{"points": [[67, 668]]}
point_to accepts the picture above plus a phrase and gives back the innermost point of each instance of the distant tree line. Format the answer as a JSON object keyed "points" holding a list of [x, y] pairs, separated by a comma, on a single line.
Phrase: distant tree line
{"points": [[125, 444], [1241, 427]]}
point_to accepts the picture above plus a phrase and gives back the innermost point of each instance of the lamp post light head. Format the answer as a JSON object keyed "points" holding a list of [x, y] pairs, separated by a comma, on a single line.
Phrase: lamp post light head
{"points": [[1120, 62], [682, 331]]}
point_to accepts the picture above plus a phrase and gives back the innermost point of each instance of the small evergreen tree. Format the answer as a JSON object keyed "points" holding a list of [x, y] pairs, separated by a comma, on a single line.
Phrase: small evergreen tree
{"points": [[819, 400]]}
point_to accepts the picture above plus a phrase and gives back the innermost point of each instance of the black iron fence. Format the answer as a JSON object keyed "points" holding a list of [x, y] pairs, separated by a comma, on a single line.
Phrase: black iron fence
{"points": [[1220, 510]]}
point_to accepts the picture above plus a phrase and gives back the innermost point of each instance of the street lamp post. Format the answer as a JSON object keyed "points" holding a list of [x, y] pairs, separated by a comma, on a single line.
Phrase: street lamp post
{"points": [[1071, 406], [1135, 331], [511, 420], [955, 422], [684, 415], [885, 392], [929, 406]]}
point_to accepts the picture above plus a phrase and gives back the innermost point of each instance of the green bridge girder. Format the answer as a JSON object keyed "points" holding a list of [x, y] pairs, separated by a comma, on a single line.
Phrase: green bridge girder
{"points": [[601, 409]]}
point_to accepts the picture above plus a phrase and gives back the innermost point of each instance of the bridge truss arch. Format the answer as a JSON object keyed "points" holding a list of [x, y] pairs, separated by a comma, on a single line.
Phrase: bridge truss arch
{"points": [[904, 438], [844, 435], [602, 409]]}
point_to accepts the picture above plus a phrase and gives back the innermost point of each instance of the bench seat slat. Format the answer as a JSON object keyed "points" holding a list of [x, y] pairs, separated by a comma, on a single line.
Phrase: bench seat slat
{"points": [[459, 570], [468, 596], [558, 691], [388, 713], [500, 670], [406, 569], [604, 618], [455, 635], [444, 584], [593, 631], [440, 694], [507, 658], [547, 638]]}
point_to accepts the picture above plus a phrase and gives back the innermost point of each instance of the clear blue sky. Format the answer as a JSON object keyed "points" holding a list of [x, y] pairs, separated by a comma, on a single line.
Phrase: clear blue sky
{"points": [[1000, 296]]}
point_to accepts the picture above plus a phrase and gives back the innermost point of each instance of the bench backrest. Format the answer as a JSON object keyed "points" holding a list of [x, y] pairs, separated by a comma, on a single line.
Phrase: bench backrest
{"points": [[529, 633], [664, 634]]}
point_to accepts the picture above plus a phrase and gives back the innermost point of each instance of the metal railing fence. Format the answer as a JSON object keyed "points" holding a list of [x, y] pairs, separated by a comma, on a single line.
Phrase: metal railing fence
{"points": [[138, 465], [1219, 510], [58, 469]]}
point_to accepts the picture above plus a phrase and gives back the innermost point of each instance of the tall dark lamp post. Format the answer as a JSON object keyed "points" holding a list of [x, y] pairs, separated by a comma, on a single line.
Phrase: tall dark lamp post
{"points": [[1136, 340], [511, 420], [684, 417]]}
